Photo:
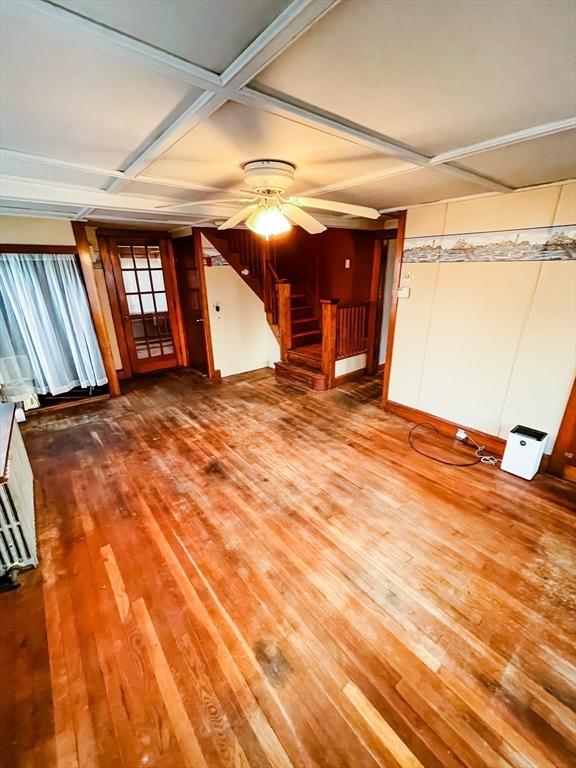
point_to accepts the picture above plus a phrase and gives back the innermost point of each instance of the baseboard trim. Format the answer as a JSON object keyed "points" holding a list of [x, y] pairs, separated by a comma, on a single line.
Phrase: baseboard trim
{"points": [[64, 406], [493, 443], [349, 376]]}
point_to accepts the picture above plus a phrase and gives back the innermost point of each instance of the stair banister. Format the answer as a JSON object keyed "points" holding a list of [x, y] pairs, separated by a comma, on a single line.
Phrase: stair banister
{"points": [[284, 317], [329, 308]]}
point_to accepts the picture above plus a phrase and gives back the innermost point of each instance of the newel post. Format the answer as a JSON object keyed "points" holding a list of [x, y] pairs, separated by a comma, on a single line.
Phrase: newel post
{"points": [[285, 318], [329, 309]]}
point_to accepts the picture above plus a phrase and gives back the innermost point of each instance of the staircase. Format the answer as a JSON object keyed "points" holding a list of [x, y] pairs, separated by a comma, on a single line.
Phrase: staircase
{"points": [[304, 365], [295, 317], [304, 321], [303, 360]]}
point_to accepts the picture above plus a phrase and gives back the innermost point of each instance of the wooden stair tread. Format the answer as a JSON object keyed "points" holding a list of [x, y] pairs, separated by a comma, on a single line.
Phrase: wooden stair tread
{"points": [[305, 333], [300, 320], [313, 379]]}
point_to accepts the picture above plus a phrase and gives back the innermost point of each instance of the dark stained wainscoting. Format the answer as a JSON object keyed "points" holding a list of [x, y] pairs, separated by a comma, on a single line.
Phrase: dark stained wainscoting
{"points": [[253, 574]]}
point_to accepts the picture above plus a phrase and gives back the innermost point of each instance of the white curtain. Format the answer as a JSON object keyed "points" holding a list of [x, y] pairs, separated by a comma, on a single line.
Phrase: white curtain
{"points": [[45, 324]]}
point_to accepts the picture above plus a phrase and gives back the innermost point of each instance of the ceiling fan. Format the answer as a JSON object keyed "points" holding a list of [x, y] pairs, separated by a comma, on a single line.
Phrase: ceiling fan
{"points": [[268, 211]]}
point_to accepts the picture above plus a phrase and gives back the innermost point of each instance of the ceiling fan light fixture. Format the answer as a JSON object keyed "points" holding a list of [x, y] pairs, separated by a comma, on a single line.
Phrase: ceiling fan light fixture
{"points": [[268, 221]]}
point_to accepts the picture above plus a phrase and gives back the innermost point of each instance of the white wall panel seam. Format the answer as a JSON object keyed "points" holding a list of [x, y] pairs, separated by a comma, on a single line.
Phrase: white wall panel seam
{"points": [[521, 335]]}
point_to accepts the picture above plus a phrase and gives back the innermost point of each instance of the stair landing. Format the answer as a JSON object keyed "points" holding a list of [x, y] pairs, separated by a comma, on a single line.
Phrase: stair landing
{"points": [[304, 365]]}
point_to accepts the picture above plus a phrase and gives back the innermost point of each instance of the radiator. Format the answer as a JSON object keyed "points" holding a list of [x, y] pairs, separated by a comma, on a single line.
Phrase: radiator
{"points": [[17, 528]]}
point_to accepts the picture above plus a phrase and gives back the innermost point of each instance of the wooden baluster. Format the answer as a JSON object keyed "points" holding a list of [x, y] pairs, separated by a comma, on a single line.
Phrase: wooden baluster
{"points": [[329, 323], [285, 318]]}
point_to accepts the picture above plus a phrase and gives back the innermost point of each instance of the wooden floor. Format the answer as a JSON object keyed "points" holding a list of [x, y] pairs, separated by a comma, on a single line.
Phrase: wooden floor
{"points": [[252, 574]]}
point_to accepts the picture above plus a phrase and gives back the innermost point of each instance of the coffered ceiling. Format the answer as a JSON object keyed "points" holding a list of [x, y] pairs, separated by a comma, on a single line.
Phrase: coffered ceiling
{"points": [[113, 109]]}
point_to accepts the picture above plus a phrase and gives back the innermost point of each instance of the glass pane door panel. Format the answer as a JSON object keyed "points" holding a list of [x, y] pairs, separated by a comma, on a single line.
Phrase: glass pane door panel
{"points": [[129, 278], [147, 303], [157, 280], [146, 300], [144, 280], [134, 304]]}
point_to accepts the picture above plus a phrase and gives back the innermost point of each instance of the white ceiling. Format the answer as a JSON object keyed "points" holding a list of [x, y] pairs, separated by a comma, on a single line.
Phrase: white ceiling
{"points": [[209, 33], [113, 108]]}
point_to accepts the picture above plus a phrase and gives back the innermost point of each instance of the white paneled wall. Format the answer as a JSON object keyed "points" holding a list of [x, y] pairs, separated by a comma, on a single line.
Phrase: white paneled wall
{"points": [[489, 344], [241, 337], [546, 356]]}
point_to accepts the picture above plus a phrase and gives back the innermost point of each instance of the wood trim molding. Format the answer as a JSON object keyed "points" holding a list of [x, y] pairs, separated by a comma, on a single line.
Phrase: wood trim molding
{"points": [[566, 438], [114, 304], [349, 376], [11, 248], [178, 332], [375, 309], [87, 267], [492, 443], [528, 134], [213, 373], [33, 412], [394, 304]]}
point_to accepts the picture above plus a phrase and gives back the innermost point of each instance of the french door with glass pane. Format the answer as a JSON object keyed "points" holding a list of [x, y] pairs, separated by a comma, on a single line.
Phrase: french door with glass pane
{"points": [[147, 301]]}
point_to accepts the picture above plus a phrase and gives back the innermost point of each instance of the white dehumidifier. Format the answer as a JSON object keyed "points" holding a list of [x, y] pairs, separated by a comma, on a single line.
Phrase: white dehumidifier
{"points": [[523, 452]]}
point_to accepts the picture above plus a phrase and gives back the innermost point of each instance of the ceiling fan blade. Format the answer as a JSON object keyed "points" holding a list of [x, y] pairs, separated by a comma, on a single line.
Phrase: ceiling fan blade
{"points": [[298, 216], [206, 202], [238, 217], [332, 205]]}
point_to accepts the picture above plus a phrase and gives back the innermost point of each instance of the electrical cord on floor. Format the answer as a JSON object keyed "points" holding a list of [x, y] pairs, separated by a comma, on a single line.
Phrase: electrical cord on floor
{"points": [[479, 450]]}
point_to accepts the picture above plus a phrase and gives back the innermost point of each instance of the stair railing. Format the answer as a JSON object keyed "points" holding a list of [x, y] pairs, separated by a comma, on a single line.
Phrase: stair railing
{"points": [[284, 292], [351, 329], [329, 309], [344, 333], [251, 250], [271, 282]]}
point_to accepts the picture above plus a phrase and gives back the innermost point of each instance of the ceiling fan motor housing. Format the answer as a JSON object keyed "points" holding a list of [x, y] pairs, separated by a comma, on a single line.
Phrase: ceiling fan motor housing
{"points": [[269, 177]]}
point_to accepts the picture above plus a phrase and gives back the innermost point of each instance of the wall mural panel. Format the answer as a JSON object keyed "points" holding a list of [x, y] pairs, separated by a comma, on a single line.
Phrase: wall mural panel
{"points": [[541, 244]]}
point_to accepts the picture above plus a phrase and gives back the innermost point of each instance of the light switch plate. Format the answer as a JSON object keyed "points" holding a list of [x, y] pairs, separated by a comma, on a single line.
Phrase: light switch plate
{"points": [[403, 292], [347, 264]]}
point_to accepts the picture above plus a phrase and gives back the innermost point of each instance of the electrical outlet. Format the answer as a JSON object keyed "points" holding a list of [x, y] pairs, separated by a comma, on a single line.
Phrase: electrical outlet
{"points": [[460, 434]]}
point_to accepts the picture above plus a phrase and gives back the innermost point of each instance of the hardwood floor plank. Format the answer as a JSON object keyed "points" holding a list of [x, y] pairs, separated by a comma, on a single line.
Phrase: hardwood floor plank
{"points": [[385, 734], [253, 575], [181, 724]]}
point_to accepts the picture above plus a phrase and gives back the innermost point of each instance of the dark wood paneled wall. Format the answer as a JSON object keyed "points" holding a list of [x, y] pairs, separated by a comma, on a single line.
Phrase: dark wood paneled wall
{"points": [[318, 261]]}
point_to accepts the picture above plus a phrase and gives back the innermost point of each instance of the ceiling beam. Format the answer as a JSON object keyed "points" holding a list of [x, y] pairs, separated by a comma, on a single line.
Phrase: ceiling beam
{"points": [[284, 30], [338, 126], [294, 20], [111, 173], [189, 118], [20, 189], [367, 178], [106, 39], [528, 134]]}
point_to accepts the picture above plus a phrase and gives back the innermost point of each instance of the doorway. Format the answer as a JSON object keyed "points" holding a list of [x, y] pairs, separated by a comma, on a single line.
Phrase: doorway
{"points": [[141, 281], [189, 269]]}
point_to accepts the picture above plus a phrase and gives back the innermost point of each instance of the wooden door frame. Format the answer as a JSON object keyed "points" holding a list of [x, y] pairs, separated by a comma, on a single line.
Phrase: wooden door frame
{"points": [[213, 373], [566, 437], [104, 236], [400, 235], [376, 309]]}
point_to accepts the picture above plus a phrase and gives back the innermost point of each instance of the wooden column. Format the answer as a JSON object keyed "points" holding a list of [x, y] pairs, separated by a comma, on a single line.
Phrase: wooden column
{"points": [[394, 304], [329, 308], [96, 307], [375, 305], [285, 318], [213, 372]]}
